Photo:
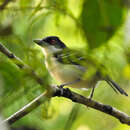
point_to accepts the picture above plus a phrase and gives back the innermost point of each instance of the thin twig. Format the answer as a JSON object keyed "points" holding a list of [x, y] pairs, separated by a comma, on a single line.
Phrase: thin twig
{"points": [[124, 118], [26, 109], [21, 64], [27, 8]]}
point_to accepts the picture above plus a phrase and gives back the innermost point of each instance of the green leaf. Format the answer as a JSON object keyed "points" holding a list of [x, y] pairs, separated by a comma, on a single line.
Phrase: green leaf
{"points": [[100, 19]]}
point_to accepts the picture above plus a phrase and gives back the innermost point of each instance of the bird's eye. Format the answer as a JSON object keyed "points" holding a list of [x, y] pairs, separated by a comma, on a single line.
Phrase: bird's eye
{"points": [[53, 41]]}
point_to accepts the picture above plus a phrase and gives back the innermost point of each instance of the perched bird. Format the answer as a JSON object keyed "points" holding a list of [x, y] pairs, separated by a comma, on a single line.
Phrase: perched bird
{"points": [[69, 67]]}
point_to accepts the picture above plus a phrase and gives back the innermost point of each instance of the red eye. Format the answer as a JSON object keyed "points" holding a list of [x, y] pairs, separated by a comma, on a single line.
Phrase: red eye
{"points": [[53, 41]]}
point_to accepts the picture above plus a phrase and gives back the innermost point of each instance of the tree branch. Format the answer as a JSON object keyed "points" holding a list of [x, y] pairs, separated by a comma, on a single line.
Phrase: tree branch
{"points": [[122, 117], [20, 64], [26, 109], [75, 97]]}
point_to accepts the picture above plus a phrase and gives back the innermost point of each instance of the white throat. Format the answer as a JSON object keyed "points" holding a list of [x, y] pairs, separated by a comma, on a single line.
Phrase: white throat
{"points": [[50, 50]]}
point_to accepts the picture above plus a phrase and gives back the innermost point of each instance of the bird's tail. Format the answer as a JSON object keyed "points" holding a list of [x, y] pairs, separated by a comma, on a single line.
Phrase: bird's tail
{"points": [[115, 86]]}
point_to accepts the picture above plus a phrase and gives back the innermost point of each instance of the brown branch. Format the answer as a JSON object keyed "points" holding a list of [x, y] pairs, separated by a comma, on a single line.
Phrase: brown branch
{"points": [[75, 97], [124, 118], [121, 116]]}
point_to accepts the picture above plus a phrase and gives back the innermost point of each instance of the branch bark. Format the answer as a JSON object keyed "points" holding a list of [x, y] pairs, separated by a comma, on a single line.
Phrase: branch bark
{"points": [[121, 116], [75, 97]]}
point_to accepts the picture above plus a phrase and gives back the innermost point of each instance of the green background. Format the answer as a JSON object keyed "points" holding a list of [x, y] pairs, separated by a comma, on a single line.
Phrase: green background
{"points": [[100, 27]]}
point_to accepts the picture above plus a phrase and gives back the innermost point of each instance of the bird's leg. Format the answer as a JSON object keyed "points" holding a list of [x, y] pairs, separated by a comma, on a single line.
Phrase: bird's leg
{"points": [[92, 92], [65, 84], [69, 83]]}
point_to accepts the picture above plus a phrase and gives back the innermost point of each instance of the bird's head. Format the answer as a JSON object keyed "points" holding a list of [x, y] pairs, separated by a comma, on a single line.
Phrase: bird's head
{"points": [[51, 44]]}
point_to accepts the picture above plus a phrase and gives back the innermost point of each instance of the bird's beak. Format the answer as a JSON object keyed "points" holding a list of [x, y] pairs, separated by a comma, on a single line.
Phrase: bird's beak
{"points": [[38, 41]]}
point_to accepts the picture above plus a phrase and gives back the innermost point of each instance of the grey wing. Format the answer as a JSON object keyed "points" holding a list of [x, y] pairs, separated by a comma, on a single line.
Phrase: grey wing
{"points": [[82, 68]]}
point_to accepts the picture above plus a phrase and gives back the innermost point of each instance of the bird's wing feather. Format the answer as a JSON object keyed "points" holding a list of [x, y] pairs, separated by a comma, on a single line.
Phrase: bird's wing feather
{"points": [[70, 57]]}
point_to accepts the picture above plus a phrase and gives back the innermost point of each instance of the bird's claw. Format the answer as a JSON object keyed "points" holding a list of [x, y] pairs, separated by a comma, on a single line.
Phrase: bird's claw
{"points": [[61, 88]]}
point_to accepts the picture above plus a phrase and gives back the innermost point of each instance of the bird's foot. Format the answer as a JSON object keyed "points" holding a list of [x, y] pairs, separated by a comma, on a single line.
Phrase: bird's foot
{"points": [[61, 87], [90, 98], [63, 91]]}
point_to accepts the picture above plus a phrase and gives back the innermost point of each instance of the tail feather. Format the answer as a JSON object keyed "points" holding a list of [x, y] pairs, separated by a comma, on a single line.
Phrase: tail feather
{"points": [[112, 86], [115, 86]]}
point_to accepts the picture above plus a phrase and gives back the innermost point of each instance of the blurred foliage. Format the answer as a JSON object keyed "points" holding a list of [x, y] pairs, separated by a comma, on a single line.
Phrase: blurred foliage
{"points": [[98, 27], [108, 16]]}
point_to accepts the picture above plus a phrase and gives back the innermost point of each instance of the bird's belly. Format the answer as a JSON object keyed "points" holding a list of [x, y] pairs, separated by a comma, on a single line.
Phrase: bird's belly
{"points": [[81, 84], [66, 74]]}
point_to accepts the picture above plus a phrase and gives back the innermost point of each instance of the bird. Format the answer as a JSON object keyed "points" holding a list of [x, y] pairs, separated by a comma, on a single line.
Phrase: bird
{"points": [[70, 67]]}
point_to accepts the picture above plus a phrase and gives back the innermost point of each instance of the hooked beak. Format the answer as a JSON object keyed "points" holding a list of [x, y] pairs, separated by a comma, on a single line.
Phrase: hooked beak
{"points": [[38, 41]]}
